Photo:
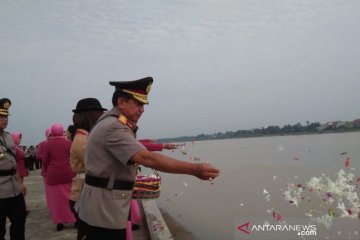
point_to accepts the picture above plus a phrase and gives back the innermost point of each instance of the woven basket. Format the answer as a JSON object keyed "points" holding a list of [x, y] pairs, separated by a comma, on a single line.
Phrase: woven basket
{"points": [[147, 187]]}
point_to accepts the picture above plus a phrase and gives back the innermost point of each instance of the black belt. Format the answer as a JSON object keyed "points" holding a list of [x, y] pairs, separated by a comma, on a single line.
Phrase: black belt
{"points": [[7, 172], [103, 182]]}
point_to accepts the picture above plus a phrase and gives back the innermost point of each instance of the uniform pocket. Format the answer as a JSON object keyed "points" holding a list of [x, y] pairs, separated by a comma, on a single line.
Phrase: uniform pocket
{"points": [[121, 194]]}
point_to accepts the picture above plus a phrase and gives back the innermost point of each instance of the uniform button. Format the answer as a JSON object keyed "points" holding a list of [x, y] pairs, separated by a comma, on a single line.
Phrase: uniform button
{"points": [[123, 194]]}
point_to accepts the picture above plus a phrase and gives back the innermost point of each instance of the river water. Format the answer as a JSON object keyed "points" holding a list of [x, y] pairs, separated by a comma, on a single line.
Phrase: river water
{"points": [[254, 174]]}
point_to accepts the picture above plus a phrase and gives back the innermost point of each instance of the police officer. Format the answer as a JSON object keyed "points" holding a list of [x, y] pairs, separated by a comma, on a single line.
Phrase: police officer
{"points": [[111, 159], [12, 189]]}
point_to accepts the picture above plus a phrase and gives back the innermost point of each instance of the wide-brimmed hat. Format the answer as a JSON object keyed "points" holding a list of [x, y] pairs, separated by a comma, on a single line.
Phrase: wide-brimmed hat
{"points": [[5, 104], [88, 104], [138, 89]]}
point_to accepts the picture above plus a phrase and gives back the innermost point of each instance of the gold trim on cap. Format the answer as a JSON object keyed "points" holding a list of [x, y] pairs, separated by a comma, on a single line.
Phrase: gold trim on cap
{"points": [[138, 96], [4, 112]]}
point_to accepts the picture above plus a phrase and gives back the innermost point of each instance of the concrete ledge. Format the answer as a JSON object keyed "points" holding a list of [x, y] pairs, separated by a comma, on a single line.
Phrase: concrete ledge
{"points": [[156, 224]]}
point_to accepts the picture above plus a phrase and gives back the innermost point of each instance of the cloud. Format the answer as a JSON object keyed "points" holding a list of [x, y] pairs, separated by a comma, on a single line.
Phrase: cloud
{"points": [[217, 65]]}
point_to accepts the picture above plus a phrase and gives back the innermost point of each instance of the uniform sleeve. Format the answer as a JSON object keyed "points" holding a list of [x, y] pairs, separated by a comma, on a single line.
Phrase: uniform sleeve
{"points": [[46, 158], [77, 154]]}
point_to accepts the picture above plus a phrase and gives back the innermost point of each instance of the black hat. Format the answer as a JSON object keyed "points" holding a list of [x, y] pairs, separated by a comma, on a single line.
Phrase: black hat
{"points": [[88, 104], [138, 89], [5, 104]]}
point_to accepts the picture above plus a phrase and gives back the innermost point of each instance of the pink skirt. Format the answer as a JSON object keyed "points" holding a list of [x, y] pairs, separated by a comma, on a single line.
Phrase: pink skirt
{"points": [[58, 197]]}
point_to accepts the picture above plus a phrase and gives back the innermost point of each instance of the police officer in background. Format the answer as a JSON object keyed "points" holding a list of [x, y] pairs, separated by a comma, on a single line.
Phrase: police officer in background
{"points": [[111, 159], [12, 189]]}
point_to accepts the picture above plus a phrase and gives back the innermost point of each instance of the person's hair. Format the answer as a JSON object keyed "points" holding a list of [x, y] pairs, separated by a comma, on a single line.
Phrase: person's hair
{"points": [[117, 94], [86, 120], [72, 131]]}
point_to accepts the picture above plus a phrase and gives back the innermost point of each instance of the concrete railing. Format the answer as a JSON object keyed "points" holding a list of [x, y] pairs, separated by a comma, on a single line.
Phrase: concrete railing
{"points": [[156, 224]]}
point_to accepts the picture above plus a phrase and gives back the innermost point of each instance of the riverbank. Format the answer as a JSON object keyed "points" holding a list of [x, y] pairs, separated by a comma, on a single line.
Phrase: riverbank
{"points": [[40, 226], [250, 134]]}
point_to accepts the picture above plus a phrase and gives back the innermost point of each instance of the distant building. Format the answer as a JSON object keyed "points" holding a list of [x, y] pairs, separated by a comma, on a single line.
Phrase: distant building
{"points": [[331, 125], [339, 124], [356, 123]]}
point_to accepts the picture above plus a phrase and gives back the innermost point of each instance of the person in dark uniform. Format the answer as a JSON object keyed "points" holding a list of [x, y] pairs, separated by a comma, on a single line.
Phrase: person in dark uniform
{"points": [[12, 189], [111, 159], [30, 157]]}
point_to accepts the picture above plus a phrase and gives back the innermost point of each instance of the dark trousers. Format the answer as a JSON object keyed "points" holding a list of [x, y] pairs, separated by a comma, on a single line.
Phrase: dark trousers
{"points": [[79, 225], [37, 163], [13, 208], [96, 233], [29, 163], [72, 208]]}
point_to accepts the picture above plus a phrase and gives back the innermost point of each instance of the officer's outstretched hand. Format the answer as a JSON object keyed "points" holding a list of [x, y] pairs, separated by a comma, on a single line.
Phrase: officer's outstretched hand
{"points": [[170, 146], [206, 171]]}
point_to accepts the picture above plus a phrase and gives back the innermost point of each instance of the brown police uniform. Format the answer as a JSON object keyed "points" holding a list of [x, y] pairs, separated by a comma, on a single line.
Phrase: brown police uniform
{"points": [[9, 183], [12, 203], [105, 197], [110, 147]]}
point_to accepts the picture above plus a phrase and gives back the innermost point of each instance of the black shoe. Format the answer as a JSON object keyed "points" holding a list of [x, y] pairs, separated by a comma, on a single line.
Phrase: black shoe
{"points": [[135, 227], [76, 225], [59, 227]]}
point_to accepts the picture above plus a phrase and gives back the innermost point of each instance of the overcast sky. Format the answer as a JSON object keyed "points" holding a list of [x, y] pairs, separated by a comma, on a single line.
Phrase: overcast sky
{"points": [[218, 65]]}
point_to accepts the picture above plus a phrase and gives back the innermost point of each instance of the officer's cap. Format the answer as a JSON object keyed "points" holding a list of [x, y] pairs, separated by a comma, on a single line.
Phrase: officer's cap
{"points": [[5, 104], [138, 89]]}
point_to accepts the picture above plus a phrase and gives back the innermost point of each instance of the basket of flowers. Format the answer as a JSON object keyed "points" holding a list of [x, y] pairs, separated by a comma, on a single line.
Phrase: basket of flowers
{"points": [[147, 186]]}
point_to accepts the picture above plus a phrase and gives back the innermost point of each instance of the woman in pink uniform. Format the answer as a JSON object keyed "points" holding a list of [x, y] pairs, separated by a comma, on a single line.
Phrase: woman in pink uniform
{"points": [[58, 176], [20, 157]]}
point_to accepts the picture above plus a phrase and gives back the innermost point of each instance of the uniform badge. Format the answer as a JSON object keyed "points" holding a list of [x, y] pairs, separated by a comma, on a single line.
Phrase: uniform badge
{"points": [[2, 152], [123, 119], [6, 105]]}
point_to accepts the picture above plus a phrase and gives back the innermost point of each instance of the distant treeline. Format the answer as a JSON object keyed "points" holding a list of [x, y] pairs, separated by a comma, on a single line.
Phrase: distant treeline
{"points": [[309, 128]]}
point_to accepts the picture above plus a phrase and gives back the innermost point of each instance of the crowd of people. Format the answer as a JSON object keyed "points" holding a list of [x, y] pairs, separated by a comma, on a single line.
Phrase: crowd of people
{"points": [[89, 169]]}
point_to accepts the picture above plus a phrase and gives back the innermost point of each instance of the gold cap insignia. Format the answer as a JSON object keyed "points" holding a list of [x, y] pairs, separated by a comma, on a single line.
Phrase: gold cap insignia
{"points": [[148, 88]]}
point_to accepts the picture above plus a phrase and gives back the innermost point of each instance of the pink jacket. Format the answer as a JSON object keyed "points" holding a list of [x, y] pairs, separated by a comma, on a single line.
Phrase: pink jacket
{"points": [[56, 159], [41, 149], [39, 154], [20, 159]]}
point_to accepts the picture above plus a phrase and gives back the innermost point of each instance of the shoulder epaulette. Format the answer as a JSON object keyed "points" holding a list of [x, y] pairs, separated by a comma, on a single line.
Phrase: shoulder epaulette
{"points": [[124, 121]]}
